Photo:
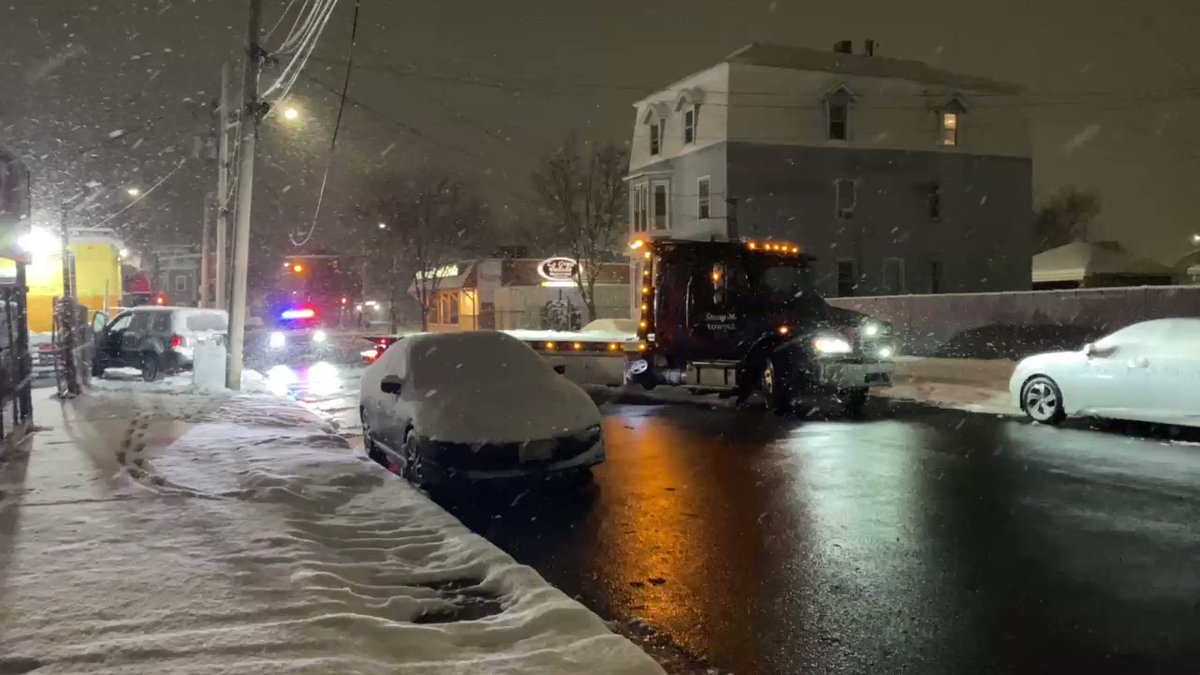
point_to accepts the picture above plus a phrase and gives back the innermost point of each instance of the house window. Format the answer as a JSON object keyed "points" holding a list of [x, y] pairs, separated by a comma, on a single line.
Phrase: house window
{"points": [[660, 207], [638, 199], [935, 203], [893, 276], [702, 198], [935, 276], [656, 129], [847, 278], [845, 197], [839, 119], [949, 129], [690, 117]]}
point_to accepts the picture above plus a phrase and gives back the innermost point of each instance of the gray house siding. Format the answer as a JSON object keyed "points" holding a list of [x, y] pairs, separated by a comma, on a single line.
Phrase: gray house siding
{"points": [[982, 239], [685, 173]]}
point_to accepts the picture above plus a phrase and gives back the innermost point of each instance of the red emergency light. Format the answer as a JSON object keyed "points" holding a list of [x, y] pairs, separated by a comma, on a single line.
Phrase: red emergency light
{"points": [[300, 313]]}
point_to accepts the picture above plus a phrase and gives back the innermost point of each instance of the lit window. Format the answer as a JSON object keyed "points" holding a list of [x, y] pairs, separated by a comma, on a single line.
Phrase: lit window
{"points": [[839, 117], [845, 197], [702, 198], [949, 129], [655, 138], [690, 119]]}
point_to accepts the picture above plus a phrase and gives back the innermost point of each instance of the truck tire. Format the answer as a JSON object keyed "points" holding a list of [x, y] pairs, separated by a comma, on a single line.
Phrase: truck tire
{"points": [[853, 401], [776, 390]]}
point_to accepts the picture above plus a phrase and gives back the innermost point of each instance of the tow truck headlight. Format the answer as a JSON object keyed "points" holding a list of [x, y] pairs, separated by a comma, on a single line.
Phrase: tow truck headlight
{"points": [[829, 344], [319, 336], [886, 352], [871, 329], [277, 340]]}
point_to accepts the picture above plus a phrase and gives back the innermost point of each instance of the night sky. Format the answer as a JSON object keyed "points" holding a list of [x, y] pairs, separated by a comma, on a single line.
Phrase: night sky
{"points": [[483, 87]]}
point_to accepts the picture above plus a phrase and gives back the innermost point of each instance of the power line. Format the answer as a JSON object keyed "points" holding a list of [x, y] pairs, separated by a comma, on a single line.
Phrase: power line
{"points": [[146, 193], [336, 126]]}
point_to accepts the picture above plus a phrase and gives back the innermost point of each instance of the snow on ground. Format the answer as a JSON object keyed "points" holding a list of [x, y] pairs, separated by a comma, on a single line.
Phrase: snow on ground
{"points": [[237, 534], [962, 384]]}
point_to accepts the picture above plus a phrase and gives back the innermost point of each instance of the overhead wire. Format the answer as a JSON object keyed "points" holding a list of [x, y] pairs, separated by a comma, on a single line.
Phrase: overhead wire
{"points": [[146, 193], [307, 42], [336, 127]]}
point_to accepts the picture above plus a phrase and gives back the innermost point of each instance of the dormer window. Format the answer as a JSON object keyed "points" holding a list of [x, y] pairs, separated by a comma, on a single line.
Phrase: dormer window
{"points": [[689, 125], [688, 103], [949, 122], [837, 114], [656, 119], [949, 129]]}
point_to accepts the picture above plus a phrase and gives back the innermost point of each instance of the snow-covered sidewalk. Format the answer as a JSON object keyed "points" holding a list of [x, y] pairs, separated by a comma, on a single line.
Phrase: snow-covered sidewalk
{"points": [[146, 532]]}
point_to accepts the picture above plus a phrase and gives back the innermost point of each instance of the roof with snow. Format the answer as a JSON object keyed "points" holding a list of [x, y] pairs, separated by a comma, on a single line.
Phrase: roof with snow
{"points": [[1081, 259], [803, 58]]}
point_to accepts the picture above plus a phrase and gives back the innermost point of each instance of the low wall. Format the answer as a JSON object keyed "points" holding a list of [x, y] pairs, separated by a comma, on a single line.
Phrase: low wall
{"points": [[1014, 325]]}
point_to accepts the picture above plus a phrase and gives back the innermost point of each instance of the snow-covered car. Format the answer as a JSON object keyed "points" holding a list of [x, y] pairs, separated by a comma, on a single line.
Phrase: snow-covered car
{"points": [[475, 405], [1148, 372]]}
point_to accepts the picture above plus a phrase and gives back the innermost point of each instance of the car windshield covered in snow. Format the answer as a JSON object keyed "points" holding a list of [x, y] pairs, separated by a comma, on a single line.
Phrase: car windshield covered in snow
{"points": [[476, 357]]}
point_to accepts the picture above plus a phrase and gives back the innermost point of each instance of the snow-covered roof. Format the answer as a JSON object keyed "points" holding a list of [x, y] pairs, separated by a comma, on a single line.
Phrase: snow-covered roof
{"points": [[1081, 259], [802, 58]]}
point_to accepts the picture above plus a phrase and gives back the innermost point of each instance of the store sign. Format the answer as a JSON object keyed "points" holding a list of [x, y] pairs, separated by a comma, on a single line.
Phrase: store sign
{"points": [[443, 272], [557, 269]]}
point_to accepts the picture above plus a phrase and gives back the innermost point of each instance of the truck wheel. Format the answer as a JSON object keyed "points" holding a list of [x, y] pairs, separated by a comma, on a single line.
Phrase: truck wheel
{"points": [[775, 389], [151, 366], [853, 401]]}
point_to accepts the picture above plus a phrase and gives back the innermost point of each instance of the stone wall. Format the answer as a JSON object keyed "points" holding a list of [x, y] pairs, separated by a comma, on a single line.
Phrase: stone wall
{"points": [[1013, 325]]}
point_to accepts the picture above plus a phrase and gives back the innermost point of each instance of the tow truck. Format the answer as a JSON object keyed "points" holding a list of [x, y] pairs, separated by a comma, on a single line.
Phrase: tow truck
{"points": [[741, 317]]}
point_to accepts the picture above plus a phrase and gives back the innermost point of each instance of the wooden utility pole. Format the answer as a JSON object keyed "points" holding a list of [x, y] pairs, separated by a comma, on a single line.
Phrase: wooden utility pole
{"points": [[66, 309], [241, 239], [221, 258]]}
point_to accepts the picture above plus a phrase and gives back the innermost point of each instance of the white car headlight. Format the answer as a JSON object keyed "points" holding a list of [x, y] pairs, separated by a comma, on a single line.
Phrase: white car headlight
{"points": [[319, 336], [871, 329], [828, 344], [886, 352], [277, 340]]}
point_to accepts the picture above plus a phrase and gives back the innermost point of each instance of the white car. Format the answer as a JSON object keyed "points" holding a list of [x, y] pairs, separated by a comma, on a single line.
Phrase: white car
{"points": [[1148, 372], [475, 405]]}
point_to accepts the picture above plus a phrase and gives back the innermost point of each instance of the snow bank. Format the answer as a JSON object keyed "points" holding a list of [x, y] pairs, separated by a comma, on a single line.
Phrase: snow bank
{"points": [[257, 542]]}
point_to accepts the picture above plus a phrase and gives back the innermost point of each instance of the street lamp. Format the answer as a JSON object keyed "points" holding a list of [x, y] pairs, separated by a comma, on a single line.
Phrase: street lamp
{"points": [[291, 114], [383, 226], [1196, 239], [133, 192]]}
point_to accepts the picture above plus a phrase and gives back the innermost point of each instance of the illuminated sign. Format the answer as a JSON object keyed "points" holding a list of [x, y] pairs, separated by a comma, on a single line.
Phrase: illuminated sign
{"points": [[442, 272], [558, 271]]}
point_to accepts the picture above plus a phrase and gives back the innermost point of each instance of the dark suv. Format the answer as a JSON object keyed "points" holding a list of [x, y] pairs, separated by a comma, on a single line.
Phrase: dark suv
{"points": [[156, 340]]}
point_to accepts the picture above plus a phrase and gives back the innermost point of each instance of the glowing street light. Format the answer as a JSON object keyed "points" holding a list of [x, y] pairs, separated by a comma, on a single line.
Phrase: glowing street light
{"points": [[133, 192], [1196, 239], [291, 114], [383, 226]]}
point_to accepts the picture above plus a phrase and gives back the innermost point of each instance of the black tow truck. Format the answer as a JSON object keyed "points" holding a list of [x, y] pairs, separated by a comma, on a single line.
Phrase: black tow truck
{"points": [[737, 318]]}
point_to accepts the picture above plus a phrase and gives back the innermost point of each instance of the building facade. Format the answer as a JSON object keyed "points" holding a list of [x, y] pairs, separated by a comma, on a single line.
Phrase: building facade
{"points": [[521, 293], [899, 178]]}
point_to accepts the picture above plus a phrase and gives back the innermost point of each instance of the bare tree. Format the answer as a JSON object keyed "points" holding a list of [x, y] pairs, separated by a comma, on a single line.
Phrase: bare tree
{"points": [[583, 197], [421, 224], [1065, 217]]}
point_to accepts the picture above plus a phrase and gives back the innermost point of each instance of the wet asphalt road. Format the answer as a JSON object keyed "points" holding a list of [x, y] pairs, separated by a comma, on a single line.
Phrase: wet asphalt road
{"points": [[916, 540]]}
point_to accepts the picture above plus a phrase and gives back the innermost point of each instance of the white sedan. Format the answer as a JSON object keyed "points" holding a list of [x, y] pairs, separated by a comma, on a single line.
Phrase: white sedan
{"points": [[475, 405], [1148, 372]]}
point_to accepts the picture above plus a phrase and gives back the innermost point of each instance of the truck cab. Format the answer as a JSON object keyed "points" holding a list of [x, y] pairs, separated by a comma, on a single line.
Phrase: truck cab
{"points": [[735, 318]]}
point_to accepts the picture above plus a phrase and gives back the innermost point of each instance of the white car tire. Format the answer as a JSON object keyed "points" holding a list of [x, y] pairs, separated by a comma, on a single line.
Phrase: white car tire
{"points": [[1042, 400]]}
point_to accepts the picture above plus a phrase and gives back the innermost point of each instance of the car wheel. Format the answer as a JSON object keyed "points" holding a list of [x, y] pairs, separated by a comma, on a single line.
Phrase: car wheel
{"points": [[151, 367], [412, 460], [774, 388], [1042, 401], [853, 401], [373, 452]]}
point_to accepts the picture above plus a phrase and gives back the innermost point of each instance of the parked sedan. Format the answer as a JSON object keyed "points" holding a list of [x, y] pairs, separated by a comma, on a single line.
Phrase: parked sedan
{"points": [[477, 405], [1149, 372]]}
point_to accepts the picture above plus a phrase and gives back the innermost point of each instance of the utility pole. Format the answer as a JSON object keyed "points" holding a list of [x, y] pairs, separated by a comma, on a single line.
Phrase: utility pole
{"points": [[67, 309], [241, 239], [205, 249], [220, 288]]}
